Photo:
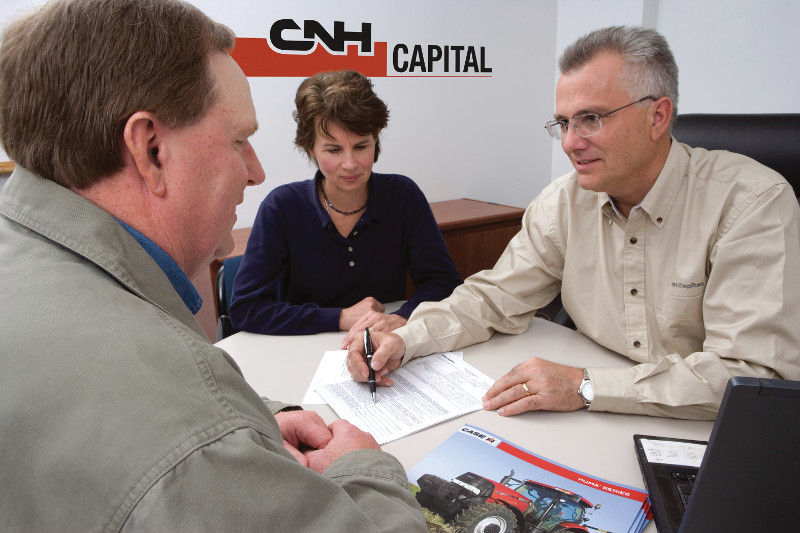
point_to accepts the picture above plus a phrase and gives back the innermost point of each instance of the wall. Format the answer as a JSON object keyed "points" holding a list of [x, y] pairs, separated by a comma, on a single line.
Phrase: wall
{"points": [[483, 137], [741, 58], [456, 137]]}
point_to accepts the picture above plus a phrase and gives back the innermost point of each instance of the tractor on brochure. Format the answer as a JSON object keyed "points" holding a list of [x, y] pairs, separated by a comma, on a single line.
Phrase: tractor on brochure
{"points": [[475, 504]]}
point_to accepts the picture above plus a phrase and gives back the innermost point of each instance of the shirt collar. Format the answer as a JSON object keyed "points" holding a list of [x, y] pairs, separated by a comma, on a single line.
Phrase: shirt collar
{"points": [[180, 281], [659, 200]]}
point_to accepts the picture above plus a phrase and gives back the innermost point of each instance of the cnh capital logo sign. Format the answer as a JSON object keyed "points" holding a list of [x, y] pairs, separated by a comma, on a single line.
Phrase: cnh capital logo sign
{"points": [[295, 50]]}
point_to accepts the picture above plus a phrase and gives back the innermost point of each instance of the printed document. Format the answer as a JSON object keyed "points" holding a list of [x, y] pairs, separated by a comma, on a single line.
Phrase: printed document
{"points": [[426, 391]]}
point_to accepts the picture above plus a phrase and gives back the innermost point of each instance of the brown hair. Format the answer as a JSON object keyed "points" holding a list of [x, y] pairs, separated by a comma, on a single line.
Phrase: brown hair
{"points": [[344, 98], [74, 71]]}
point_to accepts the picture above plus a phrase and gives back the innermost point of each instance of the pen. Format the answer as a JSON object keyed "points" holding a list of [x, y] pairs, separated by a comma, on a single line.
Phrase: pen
{"points": [[368, 350]]}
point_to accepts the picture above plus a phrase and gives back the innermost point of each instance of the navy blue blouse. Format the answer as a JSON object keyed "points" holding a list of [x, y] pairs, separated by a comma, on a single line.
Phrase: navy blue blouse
{"points": [[298, 272]]}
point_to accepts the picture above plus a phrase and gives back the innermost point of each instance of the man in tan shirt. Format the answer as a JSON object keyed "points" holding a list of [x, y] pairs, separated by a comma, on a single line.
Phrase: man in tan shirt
{"points": [[685, 261]]}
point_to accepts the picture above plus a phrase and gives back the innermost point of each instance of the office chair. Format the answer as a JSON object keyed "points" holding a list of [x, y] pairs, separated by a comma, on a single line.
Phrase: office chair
{"points": [[771, 139], [223, 289]]}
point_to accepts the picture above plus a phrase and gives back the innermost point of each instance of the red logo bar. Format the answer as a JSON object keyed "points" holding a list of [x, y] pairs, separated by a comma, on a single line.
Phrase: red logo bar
{"points": [[258, 60]]}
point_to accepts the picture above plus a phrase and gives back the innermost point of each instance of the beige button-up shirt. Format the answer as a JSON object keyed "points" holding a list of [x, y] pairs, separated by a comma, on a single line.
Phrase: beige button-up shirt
{"points": [[700, 283]]}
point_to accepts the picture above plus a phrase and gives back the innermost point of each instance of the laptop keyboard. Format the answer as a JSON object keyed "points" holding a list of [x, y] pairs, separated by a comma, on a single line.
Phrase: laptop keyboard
{"points": [[675, 485], [684, 482]]}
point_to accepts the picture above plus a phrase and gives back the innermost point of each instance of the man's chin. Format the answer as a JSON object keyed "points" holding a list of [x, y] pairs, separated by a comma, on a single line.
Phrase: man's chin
{"points": [[589, 182], [226, 248]]}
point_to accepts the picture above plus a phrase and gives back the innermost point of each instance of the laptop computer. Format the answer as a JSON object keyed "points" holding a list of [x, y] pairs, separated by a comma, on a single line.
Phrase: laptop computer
{"points": [[745, 479]]}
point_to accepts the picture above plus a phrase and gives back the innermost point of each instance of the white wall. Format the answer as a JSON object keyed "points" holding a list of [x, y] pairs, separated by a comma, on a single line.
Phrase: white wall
{"points": [[456, 137], [735, 56], [483, 138]]}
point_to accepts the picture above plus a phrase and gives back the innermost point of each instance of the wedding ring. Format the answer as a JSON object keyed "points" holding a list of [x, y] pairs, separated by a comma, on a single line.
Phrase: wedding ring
{"points": [[527, 390]]}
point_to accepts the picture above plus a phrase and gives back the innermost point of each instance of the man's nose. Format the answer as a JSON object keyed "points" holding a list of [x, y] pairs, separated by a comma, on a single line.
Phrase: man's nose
{"points": [[255, 172], [571, 141]]}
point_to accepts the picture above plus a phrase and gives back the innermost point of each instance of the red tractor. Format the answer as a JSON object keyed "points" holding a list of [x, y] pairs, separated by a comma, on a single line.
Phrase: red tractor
{"points": [[476, 504]]}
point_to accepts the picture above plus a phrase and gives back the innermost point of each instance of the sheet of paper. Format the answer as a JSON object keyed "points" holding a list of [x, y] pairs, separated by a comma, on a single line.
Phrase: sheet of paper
{"points": [[333, 369], [673, 452], [426, 391]]}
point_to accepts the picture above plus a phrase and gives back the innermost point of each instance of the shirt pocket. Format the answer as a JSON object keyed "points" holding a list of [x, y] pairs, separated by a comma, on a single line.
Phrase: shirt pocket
{"points": [[681, 318]]}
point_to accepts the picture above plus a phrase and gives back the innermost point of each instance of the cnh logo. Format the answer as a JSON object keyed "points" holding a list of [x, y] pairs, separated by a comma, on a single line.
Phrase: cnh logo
{"points": [[292, 50], [313, 31]]}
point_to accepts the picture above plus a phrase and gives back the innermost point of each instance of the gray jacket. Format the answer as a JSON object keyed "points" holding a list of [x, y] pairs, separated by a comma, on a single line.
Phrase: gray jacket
{"points": [[117, 414]]}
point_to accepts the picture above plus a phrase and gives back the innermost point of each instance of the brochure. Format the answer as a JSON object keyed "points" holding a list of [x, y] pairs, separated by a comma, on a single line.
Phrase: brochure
{"points": [[477, 481]]}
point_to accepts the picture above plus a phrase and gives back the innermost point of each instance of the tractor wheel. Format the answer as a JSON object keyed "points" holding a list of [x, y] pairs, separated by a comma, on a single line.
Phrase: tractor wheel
{"points": [[486, 518], [424, 499]]}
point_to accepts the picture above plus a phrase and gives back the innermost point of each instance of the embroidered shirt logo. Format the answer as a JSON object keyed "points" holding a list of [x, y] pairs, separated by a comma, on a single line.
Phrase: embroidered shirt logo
{"points": [[679, 285]]}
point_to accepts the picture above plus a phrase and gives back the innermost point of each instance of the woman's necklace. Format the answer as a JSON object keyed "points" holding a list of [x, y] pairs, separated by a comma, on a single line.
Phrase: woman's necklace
{"points": [[328, 202]]}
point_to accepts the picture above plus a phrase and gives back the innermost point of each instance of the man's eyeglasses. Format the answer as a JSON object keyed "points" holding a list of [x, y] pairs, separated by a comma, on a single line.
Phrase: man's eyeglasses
{"points": [[584, 125]]}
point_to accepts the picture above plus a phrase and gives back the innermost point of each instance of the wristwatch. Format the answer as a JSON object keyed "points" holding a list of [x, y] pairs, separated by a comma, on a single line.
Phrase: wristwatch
{"points": [[585, 390]]}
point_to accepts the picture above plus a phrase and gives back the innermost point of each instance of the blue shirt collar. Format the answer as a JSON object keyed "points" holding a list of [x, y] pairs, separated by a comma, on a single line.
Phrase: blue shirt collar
{"points": [[180, 281]]}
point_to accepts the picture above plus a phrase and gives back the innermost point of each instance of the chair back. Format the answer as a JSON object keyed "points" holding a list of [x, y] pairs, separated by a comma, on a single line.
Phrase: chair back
{"points": [[223, 289], [771, 139]]}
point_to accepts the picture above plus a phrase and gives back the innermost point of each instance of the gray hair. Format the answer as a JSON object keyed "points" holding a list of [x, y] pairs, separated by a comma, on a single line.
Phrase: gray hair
{"points": [[650, 68]]}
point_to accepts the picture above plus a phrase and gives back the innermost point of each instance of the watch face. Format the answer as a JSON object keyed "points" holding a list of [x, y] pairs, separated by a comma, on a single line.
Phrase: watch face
{"points": [[588, 392]]}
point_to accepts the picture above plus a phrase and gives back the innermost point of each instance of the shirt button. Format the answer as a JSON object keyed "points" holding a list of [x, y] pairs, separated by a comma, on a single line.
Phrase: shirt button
{"points": [[634, 292], [352, 263], [636, 344], [349, 248], [633, 240], [659, 220], [355, 232]]}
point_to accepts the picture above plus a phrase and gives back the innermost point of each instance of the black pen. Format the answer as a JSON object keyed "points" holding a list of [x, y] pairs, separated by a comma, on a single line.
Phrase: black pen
{"points": [[368, 349]]}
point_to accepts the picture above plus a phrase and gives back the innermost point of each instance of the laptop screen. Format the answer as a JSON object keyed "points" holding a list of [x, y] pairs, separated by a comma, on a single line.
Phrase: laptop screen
{"points": [[749, 476]]}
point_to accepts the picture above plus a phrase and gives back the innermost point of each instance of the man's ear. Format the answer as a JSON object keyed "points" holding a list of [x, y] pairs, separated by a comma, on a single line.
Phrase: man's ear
{"points": [[661, 117], [142, 142]]}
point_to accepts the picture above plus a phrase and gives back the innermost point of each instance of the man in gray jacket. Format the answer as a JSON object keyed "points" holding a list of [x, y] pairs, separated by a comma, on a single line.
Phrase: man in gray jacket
{"points": [[129, 123]]}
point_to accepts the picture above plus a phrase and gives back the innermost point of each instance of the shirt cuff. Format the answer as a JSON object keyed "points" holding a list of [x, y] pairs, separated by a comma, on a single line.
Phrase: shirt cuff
{"points": [[276, 407], [414, 336], [329, 319], [368, 462], [613, 389]]}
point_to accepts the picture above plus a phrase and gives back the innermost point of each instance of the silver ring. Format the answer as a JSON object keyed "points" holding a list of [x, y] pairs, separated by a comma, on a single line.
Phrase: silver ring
{"points": [[527, 390]]}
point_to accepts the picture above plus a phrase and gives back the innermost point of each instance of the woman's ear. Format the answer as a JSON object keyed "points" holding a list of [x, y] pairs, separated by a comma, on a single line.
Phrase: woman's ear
{"points": [[142, 142], [311, 157]]}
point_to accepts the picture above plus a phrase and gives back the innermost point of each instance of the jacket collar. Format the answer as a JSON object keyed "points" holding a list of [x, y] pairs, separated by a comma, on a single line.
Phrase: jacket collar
{"points": [[70, 220]]}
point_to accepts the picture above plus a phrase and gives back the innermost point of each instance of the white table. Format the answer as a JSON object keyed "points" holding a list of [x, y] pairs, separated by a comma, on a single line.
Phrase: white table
{"points": [[600, 444]]}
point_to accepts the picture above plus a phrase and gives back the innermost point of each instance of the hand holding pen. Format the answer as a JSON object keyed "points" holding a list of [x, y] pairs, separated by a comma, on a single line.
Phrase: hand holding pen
{"points": [[388, 351], [368, 353]]}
